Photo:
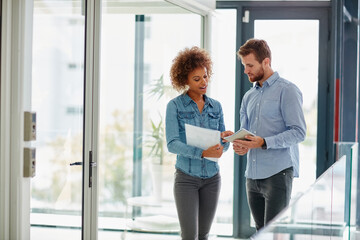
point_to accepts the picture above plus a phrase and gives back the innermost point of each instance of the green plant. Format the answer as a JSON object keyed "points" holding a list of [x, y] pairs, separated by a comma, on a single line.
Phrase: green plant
{"points": [[158, 89], [156, 141]]}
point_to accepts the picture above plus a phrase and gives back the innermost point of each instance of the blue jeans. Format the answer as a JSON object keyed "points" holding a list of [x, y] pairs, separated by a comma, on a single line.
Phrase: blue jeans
{"points": [[267, 197], [196, 201]]}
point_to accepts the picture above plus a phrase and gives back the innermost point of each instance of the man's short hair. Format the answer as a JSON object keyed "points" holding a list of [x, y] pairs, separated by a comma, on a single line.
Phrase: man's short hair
{"points": [[258, 47]]}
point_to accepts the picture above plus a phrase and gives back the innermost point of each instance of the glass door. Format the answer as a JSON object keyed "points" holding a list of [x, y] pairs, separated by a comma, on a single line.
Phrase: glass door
{"points": [[298, 40], [58, 100], [138, 43]]}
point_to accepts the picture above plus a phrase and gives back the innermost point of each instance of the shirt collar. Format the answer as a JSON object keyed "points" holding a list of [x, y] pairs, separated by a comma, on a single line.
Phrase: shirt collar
{"points": [[270, 81], [187, 100]]}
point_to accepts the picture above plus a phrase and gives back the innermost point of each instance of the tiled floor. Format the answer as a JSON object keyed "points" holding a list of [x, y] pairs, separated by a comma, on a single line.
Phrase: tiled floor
{"points": [[68, 227], [41, 233]]}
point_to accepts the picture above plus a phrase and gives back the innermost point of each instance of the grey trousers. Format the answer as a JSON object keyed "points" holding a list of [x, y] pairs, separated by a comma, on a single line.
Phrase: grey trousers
{"points": [[267, 197], [196, 201]]}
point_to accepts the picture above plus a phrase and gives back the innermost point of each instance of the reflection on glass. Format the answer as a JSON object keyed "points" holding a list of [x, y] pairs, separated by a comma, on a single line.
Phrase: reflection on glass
{"points": [[355, 188], [351, 214], [322, 211], [57, 98], [294, 46]]}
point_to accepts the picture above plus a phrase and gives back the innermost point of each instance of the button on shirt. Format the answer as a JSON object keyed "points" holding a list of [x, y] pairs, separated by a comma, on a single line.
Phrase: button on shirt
{"points": [[274, 112], [181, 110]]}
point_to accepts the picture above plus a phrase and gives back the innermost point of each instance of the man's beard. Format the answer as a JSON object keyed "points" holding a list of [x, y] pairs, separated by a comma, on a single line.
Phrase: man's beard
{"points": [[258, 77]]}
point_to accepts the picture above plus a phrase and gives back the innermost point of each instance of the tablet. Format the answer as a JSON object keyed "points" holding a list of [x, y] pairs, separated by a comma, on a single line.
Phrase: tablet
{"points": [[240, 134]]}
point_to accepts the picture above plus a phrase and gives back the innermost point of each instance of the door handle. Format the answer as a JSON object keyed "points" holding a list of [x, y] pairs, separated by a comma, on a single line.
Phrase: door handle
{"points": [[76, 163], [91, 165]]}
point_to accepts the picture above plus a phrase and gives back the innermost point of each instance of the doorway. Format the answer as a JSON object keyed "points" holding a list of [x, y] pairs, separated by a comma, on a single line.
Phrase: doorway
{"points": [[298, 35]]}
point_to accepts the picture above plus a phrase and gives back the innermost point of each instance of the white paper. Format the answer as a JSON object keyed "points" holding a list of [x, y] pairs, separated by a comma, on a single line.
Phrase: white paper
{"points": [[202, 137]]}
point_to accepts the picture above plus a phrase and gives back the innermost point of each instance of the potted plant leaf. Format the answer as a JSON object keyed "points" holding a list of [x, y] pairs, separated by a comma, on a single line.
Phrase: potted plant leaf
{"points": [[155, 141]]}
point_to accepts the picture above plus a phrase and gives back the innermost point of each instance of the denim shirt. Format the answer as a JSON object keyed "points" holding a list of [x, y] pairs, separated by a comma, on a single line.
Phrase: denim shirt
{"points": [[274, 112], [181, 110]]}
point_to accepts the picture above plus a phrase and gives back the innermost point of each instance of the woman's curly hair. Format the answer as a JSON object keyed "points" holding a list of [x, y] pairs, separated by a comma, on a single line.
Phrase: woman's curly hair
{"points": [[187, 61]]}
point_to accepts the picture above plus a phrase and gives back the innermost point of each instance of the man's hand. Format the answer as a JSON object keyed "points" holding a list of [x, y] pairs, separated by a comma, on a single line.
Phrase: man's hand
{"points": [[241, 147], [238, 149], [214, 151]]}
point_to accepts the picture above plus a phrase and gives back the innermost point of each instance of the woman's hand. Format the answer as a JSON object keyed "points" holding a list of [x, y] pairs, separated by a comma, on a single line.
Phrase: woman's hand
{"points": [[226, 134], [214, 151]]}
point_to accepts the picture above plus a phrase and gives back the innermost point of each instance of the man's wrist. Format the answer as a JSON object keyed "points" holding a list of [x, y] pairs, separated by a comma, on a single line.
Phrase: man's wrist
{"points": [[264, 146]]}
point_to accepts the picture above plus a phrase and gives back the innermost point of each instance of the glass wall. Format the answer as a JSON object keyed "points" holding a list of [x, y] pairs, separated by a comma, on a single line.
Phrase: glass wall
{"points": [[136, 171], [138, 44], [57, 98], [135, 168], [327, 209]]}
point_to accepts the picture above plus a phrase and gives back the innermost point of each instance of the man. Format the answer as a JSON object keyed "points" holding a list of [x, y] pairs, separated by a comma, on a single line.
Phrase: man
{"points": [[272, 110]]}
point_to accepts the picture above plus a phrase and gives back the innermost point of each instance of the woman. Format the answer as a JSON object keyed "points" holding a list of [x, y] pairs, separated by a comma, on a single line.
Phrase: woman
{"points": [[197, 179]]}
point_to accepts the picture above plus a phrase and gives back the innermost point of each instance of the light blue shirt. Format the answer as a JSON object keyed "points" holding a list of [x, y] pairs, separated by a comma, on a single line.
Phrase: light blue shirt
{"points": [[274, 112], [181, 110]]}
